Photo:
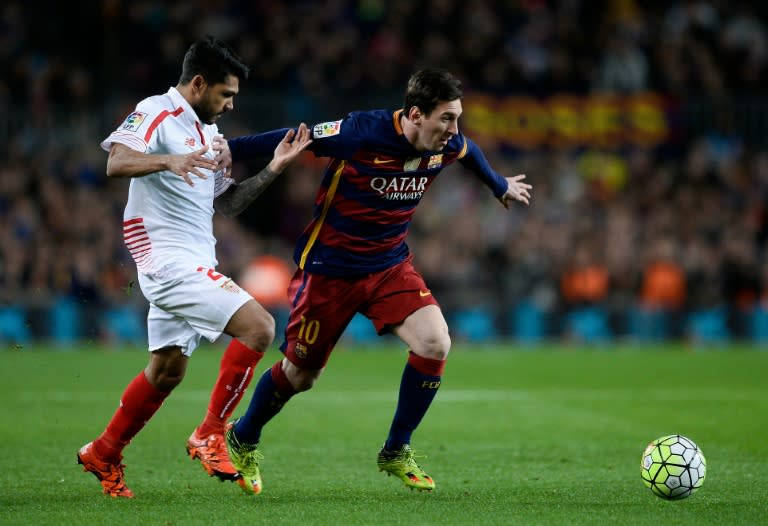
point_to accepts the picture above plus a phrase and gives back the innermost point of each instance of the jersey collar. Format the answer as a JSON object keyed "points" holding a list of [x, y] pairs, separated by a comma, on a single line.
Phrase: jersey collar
{"points": [[396, 121], [178, 100]]}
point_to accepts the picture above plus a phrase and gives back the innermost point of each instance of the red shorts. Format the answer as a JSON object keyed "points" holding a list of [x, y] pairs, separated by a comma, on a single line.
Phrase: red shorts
{"points": [[323, 306]]}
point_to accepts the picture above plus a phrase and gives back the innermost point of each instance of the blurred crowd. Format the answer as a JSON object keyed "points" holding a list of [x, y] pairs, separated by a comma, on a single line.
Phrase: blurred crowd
{"points": [[110, 47], [677, 250]]}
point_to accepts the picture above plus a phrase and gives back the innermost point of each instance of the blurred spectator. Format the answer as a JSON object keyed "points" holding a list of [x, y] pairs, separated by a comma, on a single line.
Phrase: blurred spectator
{"points": [[623, 67], [744, 44], [585, 285], [586, 281], [663, 293], [663, 281]]}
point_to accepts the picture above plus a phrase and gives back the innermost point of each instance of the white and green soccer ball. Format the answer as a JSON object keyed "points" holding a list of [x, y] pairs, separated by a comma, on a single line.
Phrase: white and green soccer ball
{"points": [[673, 467]]}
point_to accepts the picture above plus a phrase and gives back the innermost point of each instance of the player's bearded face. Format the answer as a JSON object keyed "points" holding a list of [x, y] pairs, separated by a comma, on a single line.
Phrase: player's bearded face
{"points": [[217, 99], [438, 127]]}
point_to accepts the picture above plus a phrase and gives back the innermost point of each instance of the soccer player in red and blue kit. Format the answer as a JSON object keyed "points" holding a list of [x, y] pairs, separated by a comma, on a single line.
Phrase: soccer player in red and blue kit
{"points": [[352, 257]]}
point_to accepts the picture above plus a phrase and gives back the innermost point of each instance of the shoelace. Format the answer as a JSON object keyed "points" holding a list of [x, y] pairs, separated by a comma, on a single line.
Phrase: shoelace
{"points": [[409, 458], [213, 447], [252, 456], [246, 452], [117, 477]]}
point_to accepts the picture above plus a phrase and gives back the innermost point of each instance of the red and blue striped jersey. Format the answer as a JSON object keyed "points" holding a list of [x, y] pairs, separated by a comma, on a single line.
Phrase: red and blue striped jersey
{"points": [[370, 189]]}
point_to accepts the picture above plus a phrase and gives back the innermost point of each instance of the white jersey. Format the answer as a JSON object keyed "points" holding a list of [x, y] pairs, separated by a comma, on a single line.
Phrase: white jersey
{"points": [[166, 221]]}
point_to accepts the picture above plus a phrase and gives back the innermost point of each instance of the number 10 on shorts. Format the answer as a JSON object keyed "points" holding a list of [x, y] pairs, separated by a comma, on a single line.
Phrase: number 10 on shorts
{"points": [[309, 330]]}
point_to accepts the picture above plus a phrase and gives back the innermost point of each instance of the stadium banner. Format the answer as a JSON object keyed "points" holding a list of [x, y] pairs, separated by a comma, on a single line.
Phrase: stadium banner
{"points": [[564, 122]]}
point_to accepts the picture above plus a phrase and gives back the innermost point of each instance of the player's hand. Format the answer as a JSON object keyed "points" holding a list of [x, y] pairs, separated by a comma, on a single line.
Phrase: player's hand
{"points": [[294, 142], [516, 191], [223, 156], [191, 163]]}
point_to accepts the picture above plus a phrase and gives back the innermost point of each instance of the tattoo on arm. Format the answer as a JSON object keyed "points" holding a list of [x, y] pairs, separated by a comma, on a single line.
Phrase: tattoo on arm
{"points": [[239, 196]]}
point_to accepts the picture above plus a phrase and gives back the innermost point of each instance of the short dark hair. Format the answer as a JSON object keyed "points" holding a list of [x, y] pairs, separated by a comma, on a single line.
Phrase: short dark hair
{"points": [[429, 87], [214, 60]]}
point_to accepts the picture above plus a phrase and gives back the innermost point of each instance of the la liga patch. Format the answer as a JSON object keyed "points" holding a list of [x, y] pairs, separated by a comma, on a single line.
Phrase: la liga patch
{"points": [[134, 120], [326, 129]]}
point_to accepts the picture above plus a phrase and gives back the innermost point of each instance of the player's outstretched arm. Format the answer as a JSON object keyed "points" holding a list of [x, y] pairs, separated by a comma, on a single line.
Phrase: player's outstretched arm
{"points": [[506, 189], [517, 190], [238, 197], [254, 146], [125, 162]]}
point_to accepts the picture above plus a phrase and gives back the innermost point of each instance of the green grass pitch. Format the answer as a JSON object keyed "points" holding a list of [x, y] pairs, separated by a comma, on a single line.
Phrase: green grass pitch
{"points": [[515, 436]]}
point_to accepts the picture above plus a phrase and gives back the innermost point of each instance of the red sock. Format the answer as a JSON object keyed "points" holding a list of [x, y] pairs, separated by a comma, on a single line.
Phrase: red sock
{"points": [[235, 374], [139, 402]]}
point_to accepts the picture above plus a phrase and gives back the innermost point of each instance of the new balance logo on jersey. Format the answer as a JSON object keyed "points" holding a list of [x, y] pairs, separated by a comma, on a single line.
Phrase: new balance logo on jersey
{"points": [[190, 141], [400, 188]]}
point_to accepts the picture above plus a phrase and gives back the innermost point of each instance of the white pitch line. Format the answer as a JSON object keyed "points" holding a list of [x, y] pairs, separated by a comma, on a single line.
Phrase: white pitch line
{"points": [[445, 395]]}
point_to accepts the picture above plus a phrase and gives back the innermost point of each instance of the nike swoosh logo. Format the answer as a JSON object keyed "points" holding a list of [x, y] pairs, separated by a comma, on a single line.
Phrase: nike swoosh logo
{"points": [[424, 294], [376, 160]]}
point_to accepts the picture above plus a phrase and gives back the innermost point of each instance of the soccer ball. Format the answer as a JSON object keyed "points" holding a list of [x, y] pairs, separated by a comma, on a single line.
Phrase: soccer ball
{"points": [[673, 467]]}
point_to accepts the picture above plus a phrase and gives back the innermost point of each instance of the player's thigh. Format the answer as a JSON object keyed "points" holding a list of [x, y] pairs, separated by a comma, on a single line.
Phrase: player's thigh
{"points": [[322, 307], [396, 293], [403, 304]]}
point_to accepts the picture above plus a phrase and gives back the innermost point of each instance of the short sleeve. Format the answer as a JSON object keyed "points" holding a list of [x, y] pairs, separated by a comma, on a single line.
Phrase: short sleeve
{"points": [[136, 131]]}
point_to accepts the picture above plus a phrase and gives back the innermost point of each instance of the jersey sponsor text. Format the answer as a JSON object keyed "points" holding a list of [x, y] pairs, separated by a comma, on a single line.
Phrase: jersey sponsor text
{"points": [[400, 188]]}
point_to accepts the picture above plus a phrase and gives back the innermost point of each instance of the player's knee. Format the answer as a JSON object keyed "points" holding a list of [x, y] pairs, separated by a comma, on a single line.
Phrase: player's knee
{"points": [[253, 325], [435, 346], [304, 381], [303, 384], [265, 332], [301, 379], [261, 333]]}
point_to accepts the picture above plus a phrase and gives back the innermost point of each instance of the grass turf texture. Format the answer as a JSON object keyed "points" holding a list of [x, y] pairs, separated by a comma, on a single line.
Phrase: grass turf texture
{"points": [[546, 437]]}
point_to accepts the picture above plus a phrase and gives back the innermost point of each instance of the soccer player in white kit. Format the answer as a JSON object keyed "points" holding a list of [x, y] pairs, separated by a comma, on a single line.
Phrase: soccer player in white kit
{"points": [[168, 146]]}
